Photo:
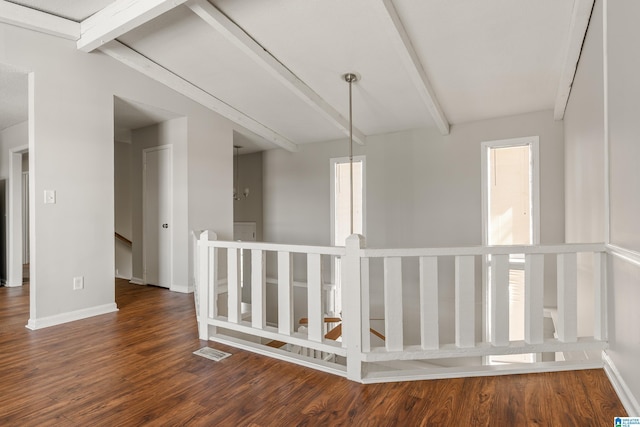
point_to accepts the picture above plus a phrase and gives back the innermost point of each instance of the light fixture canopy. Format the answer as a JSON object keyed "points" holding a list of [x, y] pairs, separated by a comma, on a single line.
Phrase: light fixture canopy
{"points": [[236, 193]]}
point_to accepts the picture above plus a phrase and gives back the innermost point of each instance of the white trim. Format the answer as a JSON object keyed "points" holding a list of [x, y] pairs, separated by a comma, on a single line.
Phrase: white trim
{"points": [[136, 281], [14, 221], [623, 391], [180, 289], [577, 32], [71, 316], [140, 63], [279, 354], [628, 255], [332, 184], [411, 62], [144, 192], [605, 75], [533, 142], [119, 18], [35, 20], [478, 371], [261, 56]]}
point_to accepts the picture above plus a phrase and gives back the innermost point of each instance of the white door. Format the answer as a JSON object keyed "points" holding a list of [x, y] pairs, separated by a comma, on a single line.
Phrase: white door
{"points": [[157, 201]]}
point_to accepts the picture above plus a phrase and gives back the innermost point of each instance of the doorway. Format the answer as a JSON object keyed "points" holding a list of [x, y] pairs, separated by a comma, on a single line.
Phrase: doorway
{"points": [[510, 217], [18, 214], [156, 211]]}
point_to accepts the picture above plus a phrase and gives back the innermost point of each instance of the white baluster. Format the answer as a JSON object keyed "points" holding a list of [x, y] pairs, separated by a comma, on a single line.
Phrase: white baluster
{"points": [[534, 298], [258, 289], [233, 284], [314, 297], [500, 300], [465, 301], [393, 303], [429, 322], [285, 293], [567, 298]]}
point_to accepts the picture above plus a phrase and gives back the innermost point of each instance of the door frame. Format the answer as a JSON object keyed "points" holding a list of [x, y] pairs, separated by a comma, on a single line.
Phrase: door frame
{"points": [[15, 242], [168, 147]]}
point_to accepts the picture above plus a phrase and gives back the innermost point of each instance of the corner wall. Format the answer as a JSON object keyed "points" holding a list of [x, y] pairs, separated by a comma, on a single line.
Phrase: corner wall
{"points": [[603, 200], [71, 151]]}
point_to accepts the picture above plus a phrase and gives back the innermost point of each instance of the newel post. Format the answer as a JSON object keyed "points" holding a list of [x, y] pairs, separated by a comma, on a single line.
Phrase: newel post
{"points": [[207, 274], [352, 305]]}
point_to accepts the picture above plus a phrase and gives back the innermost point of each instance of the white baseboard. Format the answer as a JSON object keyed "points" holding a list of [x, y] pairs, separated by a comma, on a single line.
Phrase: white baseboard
{"points": [[13, 285], [136, 281], [120, 276], [627, 398], [180, 288], [59, 319]]}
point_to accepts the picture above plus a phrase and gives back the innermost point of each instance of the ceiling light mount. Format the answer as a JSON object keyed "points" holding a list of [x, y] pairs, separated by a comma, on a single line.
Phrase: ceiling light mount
{"points": [[351, 77]]}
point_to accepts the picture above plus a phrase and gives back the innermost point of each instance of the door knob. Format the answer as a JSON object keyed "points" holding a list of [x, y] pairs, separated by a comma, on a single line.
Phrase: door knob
{"points": [[165, 225]]}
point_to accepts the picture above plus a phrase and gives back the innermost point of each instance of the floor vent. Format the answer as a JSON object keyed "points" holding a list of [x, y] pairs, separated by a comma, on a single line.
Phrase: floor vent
{"points": [[211, 353]]}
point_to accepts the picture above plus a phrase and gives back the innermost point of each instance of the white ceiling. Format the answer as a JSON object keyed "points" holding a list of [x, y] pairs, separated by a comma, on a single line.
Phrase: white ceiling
{"points": [[482, 59]]}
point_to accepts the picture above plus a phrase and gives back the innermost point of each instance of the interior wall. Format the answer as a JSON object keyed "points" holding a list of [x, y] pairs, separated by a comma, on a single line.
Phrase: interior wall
{"points": [[584, 162], [250, 209], [423, 189], [122, 178], [623, 106], [71, 151]]}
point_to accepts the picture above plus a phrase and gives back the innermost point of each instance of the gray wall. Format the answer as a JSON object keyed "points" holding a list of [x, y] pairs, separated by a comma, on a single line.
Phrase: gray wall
{"points": [[71, 151], [624, 128], [586, 179], [422, 189], [250, 209]]}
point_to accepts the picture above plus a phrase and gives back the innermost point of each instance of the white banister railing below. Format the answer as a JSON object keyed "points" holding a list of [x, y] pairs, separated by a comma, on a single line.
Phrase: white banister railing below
{"points": [[402, 304]]}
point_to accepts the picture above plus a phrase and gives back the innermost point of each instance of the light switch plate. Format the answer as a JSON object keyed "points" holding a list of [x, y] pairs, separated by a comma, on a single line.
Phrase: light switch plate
{"points": [[49, 196]]}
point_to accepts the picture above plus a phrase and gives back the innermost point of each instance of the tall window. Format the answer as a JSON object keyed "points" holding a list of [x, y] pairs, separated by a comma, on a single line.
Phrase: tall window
{"points": [[341, 209], [511, 217]]}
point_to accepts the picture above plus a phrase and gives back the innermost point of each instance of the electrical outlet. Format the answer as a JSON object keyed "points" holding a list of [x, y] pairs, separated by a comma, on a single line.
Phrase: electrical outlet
{"points": [[78, 283]]}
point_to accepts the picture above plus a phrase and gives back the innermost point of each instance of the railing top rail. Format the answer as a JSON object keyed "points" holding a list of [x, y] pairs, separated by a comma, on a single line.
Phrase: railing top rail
{"points": [[276, 247], [485, 250]]}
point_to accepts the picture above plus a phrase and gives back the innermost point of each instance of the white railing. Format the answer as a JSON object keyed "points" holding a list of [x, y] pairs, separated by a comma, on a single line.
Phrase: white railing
{"points": [[411, 292]]}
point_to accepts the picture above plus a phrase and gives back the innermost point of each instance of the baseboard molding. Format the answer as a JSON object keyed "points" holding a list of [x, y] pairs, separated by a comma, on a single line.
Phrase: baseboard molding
{"points": [[59, 319], [180, 288], [627, 398], [119, 276], [136, 281], [13, 285]]}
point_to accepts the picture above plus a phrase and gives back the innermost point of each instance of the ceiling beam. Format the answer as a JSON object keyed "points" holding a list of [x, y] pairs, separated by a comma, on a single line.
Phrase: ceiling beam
{"points": [[577, 33], [36, 20], [119, 18], [267, 61], [140, 63], [412, 63]]}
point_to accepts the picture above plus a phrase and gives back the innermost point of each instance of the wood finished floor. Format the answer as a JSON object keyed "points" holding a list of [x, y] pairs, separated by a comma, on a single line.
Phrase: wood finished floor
{"points": [[136, 367]]}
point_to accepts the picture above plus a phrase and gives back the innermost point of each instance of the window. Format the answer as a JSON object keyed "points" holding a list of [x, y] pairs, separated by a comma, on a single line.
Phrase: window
{"points": [[341, 209], [510, 217]]}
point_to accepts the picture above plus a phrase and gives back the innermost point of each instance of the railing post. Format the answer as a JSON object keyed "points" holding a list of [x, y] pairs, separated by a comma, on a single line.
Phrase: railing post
{"points": [[352, 306], [206, 283]]}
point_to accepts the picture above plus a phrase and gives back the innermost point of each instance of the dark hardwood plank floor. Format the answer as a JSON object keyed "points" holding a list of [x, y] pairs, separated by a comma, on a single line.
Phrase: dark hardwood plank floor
{"points": [[136, 367]]}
